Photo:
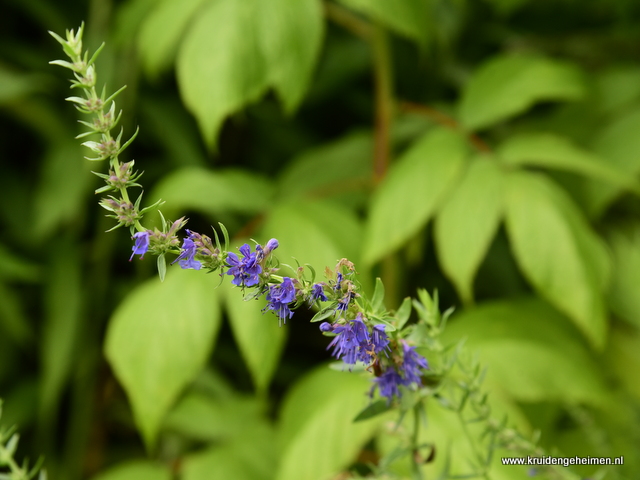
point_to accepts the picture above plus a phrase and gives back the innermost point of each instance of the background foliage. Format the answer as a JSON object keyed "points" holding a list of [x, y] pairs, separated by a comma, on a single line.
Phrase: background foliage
{"points": [[486, 148]]}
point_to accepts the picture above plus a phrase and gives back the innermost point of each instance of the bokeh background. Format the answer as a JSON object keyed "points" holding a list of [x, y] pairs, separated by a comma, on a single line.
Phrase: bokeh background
{"points": [[488, 149]]}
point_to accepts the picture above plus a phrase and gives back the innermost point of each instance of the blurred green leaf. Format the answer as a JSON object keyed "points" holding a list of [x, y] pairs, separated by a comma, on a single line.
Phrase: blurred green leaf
{"points": [[506, 7], [406, 17], [557, 251], [619, 145], [64, 180], [258, 335], [203, 417], [15, 85], [333, 169], [159, 338], [212, 192], [551, 151], [220, 64], [61, 332], [618, 87], [14, 267], [531, 351], [623, 355], [161, 32], [506, 86], [135, 470], [412, 191], [291, 34], [13, 321], [317, 233], [468, 221], [317, 431], [252, 458], [624, 291]]}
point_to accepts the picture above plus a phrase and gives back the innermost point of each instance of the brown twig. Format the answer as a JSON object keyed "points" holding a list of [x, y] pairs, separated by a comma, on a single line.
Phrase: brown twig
{"points": [[445, 120]]}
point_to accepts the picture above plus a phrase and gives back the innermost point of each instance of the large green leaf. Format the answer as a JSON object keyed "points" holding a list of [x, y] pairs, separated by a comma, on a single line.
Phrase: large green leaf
{"points": [[531, 351], [220, 65], [557, 251], [330, 170], [207, 418], [551, 151], [161, 32], [291, 35], [507, 86], [253, 457], [317, 432], [623, 356], [406, 17], [619, 145], [317, 233], [411, 192], [159, 338], [258, 334], [136, 470], [624, 291], [212, 192], [468, 221]]}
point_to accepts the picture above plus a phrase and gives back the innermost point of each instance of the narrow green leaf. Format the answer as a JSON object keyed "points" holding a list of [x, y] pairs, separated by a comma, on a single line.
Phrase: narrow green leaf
{"points": [[212, 192], [377, 301], [558, 252], [159, 338], [220, 64], [14, 323], [161, 32], [406, 17], [412, 191], [374, 409], [258, 335], [467, 223], [551, 151], [162, 267], [403, 313], [507, 86], [291, 33], [317, 430], [136, 470], [531, 351]]}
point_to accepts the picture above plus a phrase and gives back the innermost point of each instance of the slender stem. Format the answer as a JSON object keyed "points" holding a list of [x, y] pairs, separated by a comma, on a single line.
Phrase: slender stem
{"points": [[415, 457], [383, 79], [348, 20]]}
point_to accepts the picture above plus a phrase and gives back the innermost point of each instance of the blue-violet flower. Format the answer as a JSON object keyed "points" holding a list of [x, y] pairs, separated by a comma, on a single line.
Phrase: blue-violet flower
{"points": [[411, 364], [280, 296], [189, 249], [141, 244], [245, 272]]}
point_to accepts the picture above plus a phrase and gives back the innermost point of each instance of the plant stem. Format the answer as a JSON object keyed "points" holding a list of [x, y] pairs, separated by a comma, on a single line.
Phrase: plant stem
{"points": [[383, 80]]}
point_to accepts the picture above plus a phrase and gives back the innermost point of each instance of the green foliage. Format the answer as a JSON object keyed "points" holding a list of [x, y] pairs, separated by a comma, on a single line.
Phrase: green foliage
{"points": [[493, 154]]}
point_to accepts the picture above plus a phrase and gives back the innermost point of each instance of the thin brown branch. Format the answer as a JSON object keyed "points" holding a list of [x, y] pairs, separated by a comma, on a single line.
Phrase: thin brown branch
{"points": [[348, 20], [446, 121]]}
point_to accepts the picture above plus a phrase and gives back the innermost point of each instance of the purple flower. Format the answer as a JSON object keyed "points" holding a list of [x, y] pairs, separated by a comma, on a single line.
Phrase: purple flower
{"points": [[351, 342], [345, 344], [338, 284], [280, 296], [245, 272], [379, 339], [411, 364], [326, 327], [388, 383], [317, 293], [271, 246], [141, 244], [343, 303], [189, 250]]}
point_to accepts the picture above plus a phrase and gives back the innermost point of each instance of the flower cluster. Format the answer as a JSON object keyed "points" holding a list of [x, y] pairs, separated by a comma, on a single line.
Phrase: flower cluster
{"points": [[406, 373]]}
